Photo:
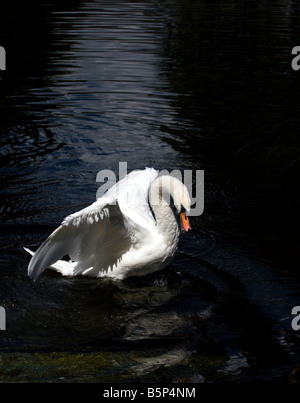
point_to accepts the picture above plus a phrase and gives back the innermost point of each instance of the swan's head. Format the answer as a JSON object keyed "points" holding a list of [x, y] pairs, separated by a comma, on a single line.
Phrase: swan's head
{"points": [[181, 196], [182, 199], [170, 185]]}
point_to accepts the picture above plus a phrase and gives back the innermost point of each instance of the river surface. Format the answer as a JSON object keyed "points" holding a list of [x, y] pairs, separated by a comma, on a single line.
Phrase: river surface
{"points": [[188, 85]]}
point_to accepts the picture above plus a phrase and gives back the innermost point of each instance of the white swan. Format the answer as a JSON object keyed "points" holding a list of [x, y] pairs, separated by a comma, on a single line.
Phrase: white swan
{"points": [[117, 236]]}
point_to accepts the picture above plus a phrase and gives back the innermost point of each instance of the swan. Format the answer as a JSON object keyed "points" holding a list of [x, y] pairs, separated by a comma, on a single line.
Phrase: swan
{"points": [[129, 231]]}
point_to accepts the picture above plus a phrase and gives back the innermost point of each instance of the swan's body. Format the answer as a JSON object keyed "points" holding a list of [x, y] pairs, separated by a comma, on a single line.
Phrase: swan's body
{"points": [[118, 236]]}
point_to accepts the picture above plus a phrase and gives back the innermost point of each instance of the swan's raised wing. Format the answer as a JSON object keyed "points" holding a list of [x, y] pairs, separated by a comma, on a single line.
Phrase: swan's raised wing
{"points": [[132, 195], [98, 236], [68, 238]]}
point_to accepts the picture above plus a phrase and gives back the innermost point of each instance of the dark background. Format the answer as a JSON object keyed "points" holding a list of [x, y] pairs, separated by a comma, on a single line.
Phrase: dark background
{"points": [[174, 85]]}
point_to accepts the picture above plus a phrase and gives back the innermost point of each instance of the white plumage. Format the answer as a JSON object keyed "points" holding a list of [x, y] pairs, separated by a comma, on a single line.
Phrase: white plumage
{"points": [[118, 235]]}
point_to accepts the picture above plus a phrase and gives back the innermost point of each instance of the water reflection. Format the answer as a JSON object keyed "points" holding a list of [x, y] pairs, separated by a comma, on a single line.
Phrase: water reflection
{"points": [[175, 86]]}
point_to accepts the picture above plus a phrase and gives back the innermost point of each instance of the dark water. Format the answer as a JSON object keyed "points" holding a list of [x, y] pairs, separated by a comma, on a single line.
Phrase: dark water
{"points": [[173, 85]]}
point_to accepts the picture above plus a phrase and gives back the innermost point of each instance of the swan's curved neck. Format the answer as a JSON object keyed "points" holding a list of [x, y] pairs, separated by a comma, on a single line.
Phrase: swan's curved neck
{"points": [[159, 196]]}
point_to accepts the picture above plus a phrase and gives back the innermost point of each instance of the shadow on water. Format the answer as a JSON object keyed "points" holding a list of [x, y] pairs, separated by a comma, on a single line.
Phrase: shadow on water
{"points": [[172, 85], [230, 68], [236, 100]]}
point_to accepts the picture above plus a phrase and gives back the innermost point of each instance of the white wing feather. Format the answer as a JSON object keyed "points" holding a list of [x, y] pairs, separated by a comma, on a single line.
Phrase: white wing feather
{"points": [[97, 236]]}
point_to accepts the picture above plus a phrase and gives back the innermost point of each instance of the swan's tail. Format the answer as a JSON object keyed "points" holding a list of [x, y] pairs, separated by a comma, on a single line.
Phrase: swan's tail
{"points": [[61, 266]]}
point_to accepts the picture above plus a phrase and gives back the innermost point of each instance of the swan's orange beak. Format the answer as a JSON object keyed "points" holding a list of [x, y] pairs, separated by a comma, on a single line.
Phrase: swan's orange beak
{"points": [[185, 223]]}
